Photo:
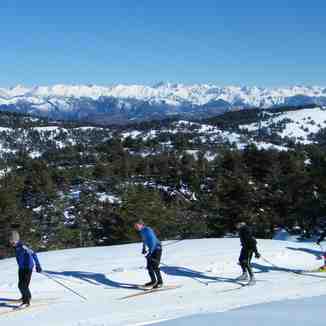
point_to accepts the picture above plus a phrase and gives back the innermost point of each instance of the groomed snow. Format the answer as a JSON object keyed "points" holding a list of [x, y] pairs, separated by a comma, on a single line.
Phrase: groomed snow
{"points": [[302, 312], [205, 268]]}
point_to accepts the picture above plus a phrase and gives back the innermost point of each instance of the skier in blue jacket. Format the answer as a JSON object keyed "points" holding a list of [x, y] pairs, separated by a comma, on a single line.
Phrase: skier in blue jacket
{"points": [[152, 248], [26, 260]]}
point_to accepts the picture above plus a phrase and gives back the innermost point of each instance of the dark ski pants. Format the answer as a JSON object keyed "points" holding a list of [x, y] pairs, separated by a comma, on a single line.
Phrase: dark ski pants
{"points": [[153, 266], [24, 278], [245, 260]]}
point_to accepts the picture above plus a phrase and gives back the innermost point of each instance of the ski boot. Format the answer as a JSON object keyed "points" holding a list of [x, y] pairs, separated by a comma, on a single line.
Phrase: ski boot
{"points": [[158, 285], [149, 285], [252, 281], [23, 305], [243, 277]]}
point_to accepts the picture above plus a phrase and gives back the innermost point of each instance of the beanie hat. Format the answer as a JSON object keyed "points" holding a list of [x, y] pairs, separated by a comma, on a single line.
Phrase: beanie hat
{"points": [[14, 237]]}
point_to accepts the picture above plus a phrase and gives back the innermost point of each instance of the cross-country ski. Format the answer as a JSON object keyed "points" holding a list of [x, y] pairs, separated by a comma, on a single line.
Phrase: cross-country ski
{"points": [[23, 308], [151, 290]]}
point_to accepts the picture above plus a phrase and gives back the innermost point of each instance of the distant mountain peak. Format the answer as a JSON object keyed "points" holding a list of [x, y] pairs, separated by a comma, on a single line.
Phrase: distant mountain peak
{"points": [[142, 102]]}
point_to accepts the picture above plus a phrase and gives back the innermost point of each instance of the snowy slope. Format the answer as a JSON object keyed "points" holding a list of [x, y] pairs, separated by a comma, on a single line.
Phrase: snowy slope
{"points": [[300, 312], [41, 138], [205, 134], [205, 268], [298, 124]]}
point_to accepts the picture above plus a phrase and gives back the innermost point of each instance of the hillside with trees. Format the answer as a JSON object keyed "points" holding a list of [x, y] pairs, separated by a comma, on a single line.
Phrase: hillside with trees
{"points": [[66, 185]]}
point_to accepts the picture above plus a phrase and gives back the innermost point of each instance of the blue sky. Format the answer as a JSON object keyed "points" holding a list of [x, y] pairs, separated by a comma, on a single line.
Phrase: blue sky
{"points": [[275, 43]]}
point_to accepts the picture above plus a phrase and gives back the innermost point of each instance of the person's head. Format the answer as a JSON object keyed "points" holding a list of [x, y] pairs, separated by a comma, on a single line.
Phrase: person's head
{"points": [[14, 238], [139, 225], [240, 224]]}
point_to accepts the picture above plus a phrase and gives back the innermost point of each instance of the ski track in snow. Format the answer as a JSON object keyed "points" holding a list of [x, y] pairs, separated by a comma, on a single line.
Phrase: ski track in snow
{"points": [[102, 275]]}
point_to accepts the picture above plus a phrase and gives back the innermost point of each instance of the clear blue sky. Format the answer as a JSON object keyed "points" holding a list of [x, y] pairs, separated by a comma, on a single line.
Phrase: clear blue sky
{"points": [[264, 43]]}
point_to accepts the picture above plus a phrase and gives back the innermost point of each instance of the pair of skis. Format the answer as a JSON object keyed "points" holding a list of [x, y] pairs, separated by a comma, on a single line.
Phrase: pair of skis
{"points": [[15, 305], [146, 290], [22, 308], [173, 287]]}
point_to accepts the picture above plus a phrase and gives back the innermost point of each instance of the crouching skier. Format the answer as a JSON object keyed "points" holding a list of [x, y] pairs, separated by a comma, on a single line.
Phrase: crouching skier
{"points": [[26, 259], [249, 247], [153, 254]]}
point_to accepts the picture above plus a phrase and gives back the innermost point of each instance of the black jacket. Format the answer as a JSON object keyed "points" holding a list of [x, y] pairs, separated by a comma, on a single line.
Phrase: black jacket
{"points": [[322, 237], [247, 239]]}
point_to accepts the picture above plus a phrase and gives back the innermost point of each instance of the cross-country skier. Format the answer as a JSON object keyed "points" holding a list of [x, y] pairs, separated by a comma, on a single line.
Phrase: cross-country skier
{"points": [[320, 239], [26, 259], [249, 247], [152, 248]]}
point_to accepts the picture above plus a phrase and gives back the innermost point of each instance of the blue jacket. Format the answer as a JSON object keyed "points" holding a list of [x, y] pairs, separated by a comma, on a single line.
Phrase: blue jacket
{"points": [[149, 239], [26, 257]]}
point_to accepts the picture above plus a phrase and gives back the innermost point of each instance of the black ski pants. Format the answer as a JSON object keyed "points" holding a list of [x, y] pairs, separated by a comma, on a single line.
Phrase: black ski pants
{"points": [[245, 260], [24, 279], [153, 266]]}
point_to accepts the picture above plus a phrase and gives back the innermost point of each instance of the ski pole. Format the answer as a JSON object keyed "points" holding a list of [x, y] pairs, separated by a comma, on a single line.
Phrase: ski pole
{"points": [[279, 267], [63, 285], [268, 262]]}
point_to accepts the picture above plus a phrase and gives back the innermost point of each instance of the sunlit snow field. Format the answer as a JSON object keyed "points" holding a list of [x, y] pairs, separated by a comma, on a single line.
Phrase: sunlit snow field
{"points": [[205, 268]]}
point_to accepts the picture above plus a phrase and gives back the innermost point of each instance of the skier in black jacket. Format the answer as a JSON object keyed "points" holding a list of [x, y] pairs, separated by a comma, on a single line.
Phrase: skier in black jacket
{"points": [[321, 238], [249, 247]]}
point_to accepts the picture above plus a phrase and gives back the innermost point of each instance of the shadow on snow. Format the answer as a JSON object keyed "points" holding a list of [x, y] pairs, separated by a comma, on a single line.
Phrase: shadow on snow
{"points": [[190, 273], [95, 279], [317, 253]]}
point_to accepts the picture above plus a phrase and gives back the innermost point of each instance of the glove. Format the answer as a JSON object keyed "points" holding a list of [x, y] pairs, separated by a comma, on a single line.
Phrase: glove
{"points": [[257, 255], [38, 269]]}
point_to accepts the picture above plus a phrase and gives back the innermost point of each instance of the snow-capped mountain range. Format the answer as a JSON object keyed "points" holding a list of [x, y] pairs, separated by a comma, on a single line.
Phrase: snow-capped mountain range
{"points": [[122, 103]]}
